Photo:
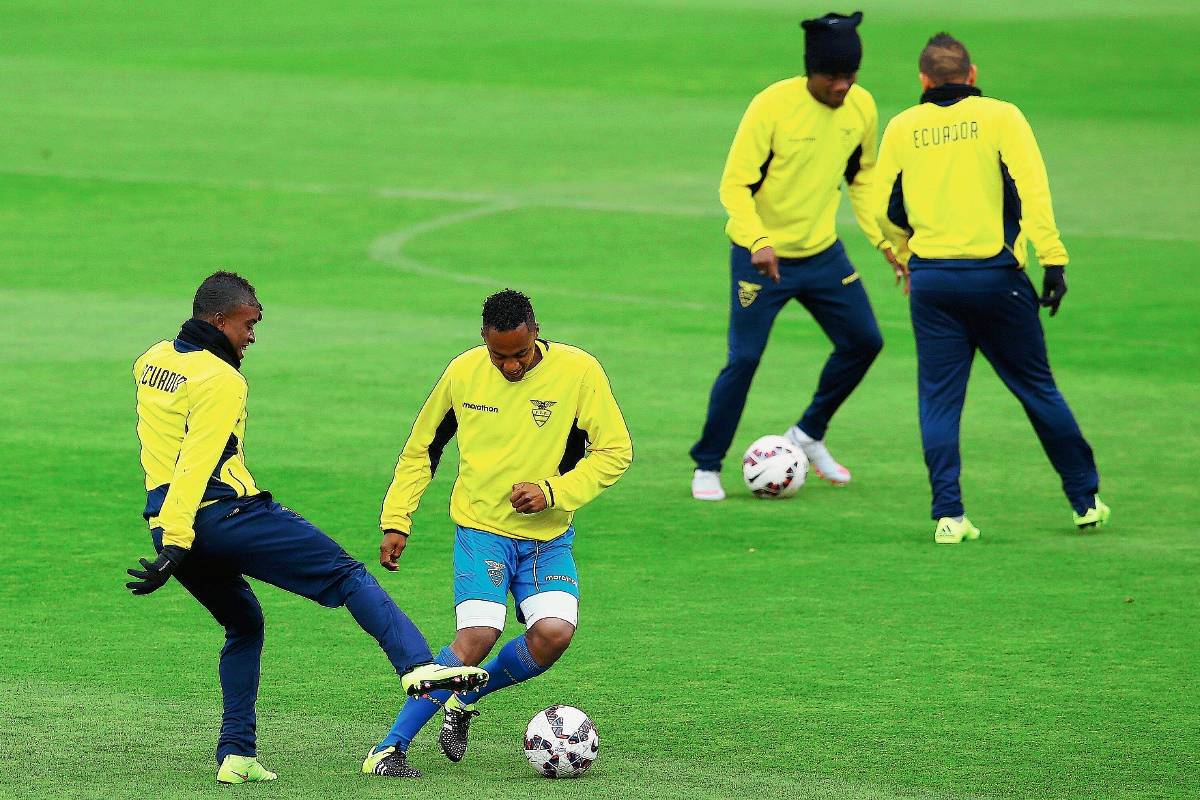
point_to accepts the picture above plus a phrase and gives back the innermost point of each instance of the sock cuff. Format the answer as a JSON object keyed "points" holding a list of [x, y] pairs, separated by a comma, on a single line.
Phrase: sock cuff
{"points": [[447, 658], [522, 648]]}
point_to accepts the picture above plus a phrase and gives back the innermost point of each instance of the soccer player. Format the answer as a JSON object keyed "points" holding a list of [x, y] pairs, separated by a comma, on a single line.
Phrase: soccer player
{"points": [[211, 524], [961, 191], [797, 142], [539, 436]]}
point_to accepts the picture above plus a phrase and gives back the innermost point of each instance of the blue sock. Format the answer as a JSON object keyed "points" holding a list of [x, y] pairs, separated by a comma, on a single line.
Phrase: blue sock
{"points": [[512, 664], [418, 710]]}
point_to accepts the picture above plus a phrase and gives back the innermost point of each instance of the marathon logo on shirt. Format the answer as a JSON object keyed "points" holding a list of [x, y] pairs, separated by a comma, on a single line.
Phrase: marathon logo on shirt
{"points": [[162, 379], [474, 407], [945, 134]]}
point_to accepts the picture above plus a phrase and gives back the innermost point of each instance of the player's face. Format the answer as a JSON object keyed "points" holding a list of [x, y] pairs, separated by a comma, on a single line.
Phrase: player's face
{"points": [[831, 89], [512, 352], [238, 327]]}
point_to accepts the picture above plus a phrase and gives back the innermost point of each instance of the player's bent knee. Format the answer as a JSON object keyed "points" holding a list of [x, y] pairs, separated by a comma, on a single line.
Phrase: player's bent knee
{"points": [[549, 639], [472, 645]]}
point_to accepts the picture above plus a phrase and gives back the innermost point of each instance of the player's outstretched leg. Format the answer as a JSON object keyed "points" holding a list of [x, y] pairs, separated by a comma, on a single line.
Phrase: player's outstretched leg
{"points": [[835, 297]]}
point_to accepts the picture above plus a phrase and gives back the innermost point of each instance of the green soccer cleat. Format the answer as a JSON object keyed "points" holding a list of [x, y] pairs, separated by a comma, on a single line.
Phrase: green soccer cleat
{"points": [[243, 769], [427, 678], [1095, 516], [389, 763], [950, 532]]}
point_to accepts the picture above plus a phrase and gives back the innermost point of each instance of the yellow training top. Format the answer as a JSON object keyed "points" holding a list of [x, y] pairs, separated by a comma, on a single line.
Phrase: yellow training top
{"points": [[782, 179], [559, 426], [961, 183], [191, 409]]}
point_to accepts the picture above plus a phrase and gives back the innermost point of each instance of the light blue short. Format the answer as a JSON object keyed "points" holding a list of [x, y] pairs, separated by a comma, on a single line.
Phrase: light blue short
{"points": [[488, 567]]}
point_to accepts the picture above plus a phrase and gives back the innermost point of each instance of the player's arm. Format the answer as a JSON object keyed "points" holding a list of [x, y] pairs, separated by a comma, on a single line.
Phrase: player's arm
{"points": [[860, 177], [216, 404], [1019, 152], [887, 202], [745, 167], [610, 451], [432, 430]]}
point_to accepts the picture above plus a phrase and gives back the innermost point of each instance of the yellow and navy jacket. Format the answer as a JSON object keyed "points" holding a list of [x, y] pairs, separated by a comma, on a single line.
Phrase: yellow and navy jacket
{"points": [[559, 426], [784, 173], [961, 184], [191, 408]]}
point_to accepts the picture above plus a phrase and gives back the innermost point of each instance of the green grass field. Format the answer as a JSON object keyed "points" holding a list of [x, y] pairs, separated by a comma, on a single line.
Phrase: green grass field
{"points": [[376, 170]]}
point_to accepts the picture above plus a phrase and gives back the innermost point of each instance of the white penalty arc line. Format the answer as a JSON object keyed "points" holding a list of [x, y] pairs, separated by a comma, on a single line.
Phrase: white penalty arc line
{"points": [[844, 217], [389, 251]]}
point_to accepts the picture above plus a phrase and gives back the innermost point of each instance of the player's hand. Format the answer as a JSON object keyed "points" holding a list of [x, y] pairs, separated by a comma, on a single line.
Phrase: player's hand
{"points": [[153, 576], [390, 550], [766, 262], [900, 270], [1054, 286], [528, 498]]}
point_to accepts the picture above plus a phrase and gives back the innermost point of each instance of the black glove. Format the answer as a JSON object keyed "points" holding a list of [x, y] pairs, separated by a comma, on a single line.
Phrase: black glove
{"points": [[158, 573], [1054, 286]]}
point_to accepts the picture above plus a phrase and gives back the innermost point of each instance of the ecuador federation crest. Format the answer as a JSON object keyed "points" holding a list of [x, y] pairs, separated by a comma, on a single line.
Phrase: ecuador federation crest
{"points": [[495, 571], [541, 410], [747, 292]]}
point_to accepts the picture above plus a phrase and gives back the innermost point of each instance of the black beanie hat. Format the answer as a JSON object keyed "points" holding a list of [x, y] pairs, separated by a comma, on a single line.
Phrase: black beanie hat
{"points": [[831, 44]]}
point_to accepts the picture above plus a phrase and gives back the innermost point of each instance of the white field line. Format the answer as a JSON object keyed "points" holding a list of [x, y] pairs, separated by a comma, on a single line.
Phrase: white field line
{"points": [[389, 250], [844, 217], [374, 191]]}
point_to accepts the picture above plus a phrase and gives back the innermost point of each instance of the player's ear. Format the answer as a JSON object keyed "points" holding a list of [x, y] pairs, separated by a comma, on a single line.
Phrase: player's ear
{"points": [[926, 84], [972, 75]]}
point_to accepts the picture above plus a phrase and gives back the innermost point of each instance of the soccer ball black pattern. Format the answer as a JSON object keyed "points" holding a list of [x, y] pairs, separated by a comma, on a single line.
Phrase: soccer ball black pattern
{"points": [[773, 467], [561, 742]]}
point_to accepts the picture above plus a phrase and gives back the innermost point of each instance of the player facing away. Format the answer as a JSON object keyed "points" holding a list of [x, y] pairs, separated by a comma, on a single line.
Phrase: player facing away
{"points": [[211, 524], [962, 190], [539, 436], [797, 142]]}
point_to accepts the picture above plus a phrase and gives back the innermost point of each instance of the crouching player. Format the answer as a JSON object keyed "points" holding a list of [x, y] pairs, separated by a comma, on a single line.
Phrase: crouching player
{"points": [[539, 436], [212, 526]]}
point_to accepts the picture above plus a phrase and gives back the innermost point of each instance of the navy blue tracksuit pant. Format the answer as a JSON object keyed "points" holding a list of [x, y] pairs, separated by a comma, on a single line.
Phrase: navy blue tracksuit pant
{"points": [[260, 538], [829, 287], [995, 310]]}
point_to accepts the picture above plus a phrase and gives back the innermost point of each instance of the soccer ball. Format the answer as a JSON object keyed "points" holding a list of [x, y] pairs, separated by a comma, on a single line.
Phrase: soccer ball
{"points": [[561, 742], [774, 467]]}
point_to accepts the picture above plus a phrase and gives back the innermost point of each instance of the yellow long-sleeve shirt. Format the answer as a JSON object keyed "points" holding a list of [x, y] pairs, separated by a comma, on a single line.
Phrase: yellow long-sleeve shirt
{"points": [[964, 185], [783, 177], [191, 409], [559, 426]]}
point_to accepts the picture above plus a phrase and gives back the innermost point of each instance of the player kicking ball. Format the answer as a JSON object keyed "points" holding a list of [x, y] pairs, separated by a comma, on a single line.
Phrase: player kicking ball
{"points": [[539, 436], [212, 526]]}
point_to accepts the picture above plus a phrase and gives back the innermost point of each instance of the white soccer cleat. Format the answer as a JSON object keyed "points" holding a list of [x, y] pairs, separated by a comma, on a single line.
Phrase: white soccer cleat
{"points": [[706, 485], [819, 456]]}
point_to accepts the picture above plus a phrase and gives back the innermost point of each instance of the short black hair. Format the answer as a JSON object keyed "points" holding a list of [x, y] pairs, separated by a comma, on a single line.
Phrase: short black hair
{"points": [[223, 293], [945, 60], [508, 310]]}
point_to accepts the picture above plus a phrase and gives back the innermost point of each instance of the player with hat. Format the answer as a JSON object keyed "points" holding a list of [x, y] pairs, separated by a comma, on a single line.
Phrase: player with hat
{"points": [[797, 142]]}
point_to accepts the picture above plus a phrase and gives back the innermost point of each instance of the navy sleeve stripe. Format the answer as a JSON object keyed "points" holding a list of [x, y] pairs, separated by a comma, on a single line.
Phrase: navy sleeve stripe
{"points": [[441, 437]]}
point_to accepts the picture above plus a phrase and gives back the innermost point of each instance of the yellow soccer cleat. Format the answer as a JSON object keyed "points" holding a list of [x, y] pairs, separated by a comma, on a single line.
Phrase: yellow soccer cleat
{"points": [[389, 762], [1094, 517], [948, 531], [243, 769], [427, 678]]}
